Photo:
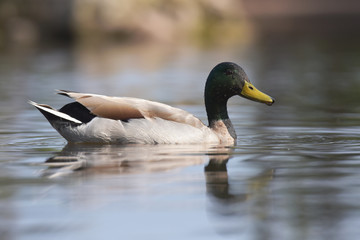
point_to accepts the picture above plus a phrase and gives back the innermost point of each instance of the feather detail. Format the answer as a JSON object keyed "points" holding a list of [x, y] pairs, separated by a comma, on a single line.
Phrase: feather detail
{"points": [[125, 108], [142, 131], [49, 111]]}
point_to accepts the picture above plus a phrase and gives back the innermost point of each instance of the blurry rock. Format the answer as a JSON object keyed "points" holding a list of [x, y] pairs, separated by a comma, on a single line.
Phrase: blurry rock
{"points": [[167, 20], [24, 22], [152, 20]]}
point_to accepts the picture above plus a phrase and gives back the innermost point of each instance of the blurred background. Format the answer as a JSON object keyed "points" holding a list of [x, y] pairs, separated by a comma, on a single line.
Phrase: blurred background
{"points": [[37, 22]]}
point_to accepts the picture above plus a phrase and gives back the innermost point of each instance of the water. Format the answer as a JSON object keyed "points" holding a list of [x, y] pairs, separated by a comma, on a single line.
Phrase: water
{"points": [[294, 173]]}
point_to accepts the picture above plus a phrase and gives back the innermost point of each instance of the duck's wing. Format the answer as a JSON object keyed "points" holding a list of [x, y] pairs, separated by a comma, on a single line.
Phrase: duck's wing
{"points": [[124, 108]]}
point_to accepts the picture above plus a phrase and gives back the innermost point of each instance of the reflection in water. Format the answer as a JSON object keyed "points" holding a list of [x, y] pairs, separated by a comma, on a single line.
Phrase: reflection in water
{"points": [[229, 198], [234, 199], [217, 181], [128, 159]]}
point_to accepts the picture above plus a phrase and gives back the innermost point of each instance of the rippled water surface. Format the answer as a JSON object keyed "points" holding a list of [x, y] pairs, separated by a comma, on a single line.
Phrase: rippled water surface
{"points": [[294, 173]]}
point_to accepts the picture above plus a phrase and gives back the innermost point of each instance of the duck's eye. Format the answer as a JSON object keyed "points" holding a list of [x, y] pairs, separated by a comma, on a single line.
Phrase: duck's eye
{"points": [[251, 87]]}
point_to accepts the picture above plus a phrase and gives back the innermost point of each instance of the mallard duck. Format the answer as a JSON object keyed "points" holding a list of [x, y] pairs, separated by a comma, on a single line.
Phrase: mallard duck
{"points": [[94, 118]]}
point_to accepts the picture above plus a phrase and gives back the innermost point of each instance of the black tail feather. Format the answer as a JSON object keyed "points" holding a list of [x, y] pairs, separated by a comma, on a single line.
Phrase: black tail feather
{"points": [[64, 93], [77, 111]]}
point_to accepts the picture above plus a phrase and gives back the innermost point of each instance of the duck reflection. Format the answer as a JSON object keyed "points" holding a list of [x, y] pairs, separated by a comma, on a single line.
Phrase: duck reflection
{"points": [[134, 158], [217, 180], [127, 159], [231, 196], [237, 203]]}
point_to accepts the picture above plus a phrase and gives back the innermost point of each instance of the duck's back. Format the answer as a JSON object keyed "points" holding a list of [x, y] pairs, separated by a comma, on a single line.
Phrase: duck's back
{"points": [[125, 108]]}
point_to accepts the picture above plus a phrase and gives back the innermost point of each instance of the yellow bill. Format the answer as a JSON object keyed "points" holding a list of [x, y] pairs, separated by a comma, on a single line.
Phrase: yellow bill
{"points": [[250, 92]]}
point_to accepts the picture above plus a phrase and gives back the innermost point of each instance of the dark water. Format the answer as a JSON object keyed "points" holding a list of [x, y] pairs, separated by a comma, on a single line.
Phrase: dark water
{"points": [[294, 173]]}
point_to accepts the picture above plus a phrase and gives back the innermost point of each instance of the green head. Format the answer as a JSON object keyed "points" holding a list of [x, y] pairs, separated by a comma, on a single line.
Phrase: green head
{"points": [[225, 80]]}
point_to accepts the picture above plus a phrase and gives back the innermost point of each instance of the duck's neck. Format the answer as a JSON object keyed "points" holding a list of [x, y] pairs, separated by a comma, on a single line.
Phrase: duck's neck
{"points": [[216, 108], [218, 117]]}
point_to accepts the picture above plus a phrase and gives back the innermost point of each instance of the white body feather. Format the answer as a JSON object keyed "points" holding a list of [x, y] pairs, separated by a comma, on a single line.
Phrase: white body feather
{"points": [[146, 131]]}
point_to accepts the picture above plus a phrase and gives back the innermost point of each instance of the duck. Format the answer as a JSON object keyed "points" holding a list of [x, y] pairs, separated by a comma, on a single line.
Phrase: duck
{"points": [[94, 118]]}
